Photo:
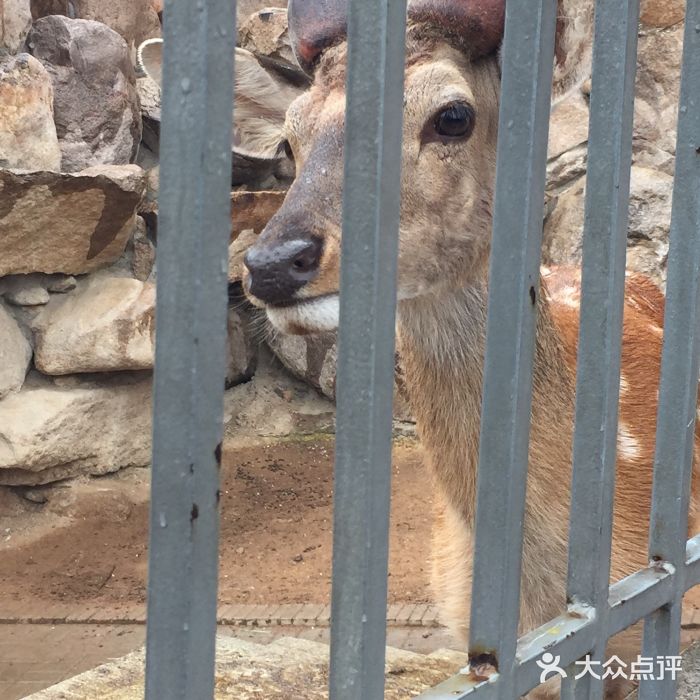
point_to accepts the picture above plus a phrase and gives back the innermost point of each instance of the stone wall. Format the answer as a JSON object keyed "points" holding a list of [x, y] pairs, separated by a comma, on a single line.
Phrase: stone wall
{"points": [[79, 127], [654, 147], [76, 291]]}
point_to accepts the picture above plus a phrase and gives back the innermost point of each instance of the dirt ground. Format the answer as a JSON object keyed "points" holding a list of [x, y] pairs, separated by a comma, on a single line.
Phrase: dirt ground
{"points": [[88, 542]]}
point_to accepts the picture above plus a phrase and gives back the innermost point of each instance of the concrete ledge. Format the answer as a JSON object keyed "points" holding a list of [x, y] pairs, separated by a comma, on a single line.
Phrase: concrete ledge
{"points": [[689, 684], [296, 668], [689, 678], [286, 668]]}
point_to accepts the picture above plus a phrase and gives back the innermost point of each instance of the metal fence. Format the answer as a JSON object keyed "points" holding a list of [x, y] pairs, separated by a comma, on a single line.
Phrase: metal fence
{"points": [[192, 260]]}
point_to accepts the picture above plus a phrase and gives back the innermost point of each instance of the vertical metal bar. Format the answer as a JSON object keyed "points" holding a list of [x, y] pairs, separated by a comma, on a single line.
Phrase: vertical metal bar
{"points": [[374, 114], [513, 283], [602, 300], [191, 327], [675, 432]]}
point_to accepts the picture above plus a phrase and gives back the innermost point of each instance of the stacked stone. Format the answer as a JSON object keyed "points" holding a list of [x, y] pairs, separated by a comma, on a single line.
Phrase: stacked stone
{"points": [[654, 147], [69, 129], [77, 274]]}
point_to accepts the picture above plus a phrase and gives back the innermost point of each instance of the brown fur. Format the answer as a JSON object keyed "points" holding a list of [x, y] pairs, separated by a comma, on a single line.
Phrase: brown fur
{"points": [[444, 243]]}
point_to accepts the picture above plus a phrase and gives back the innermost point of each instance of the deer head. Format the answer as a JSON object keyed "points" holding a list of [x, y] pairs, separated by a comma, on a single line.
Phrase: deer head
{"points": [[452, 83]]}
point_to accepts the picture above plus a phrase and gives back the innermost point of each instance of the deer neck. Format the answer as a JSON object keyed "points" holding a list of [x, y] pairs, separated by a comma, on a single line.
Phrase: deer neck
{"points": [[441, 341]]}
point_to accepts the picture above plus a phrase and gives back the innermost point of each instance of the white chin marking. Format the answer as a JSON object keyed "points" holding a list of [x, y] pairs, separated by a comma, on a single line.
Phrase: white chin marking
{"points": [[313, 316]]}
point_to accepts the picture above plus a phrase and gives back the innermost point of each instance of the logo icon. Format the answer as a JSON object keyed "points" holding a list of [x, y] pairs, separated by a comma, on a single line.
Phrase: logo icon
{"points": [[550, 665]]}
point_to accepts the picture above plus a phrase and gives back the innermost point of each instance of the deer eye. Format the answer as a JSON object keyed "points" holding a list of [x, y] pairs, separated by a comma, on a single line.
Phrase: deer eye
{"points": [[456, 121]]}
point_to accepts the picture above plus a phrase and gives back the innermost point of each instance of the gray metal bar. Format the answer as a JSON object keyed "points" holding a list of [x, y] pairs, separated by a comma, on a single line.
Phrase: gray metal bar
{"points": [[374, 114], [514, 281], [191, 326], [600, 337], [570, 635], [675, 434], [637, 596]]}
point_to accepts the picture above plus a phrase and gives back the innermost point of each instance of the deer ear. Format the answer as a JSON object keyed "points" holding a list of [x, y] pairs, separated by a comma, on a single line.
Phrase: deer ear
{"points": [[260, 106], [149, 58], [314, 25], [474, 25]]}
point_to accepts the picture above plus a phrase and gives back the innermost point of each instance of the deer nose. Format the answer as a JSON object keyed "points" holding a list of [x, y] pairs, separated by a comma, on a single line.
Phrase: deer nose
{"points": [[278, 271]]}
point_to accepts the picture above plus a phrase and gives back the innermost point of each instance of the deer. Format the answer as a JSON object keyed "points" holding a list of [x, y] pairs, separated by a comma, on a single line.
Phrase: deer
{"points": [[452, 85]]}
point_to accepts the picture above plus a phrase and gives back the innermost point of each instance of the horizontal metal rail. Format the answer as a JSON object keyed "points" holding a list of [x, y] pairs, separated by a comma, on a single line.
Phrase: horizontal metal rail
{"points": [[571, 635]]}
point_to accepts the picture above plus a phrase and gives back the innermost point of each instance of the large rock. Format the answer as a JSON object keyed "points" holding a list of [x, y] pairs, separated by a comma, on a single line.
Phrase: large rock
{"points": [[126, 17], [51, 431], [132, 19], [311, 358], [148, 28], [656, 104], [654, 148], [662, 13], [106, 324], [265, 33], [26, 290], [286, 668], [245, 8], [568, 127], [650, 221], [34, 289], [241, 347], [567, 168], [647, 238], [15, 353], [43, 8], [67, 223], [657, 94], [15, 21], [28, 138], [96, 108]]}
